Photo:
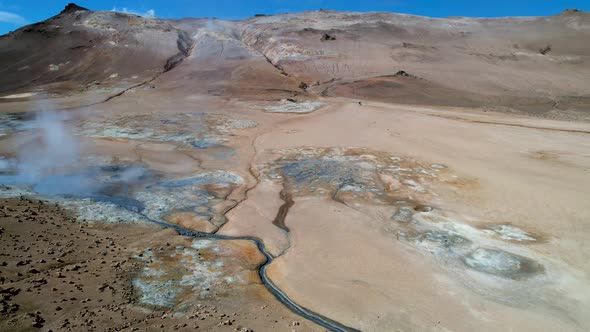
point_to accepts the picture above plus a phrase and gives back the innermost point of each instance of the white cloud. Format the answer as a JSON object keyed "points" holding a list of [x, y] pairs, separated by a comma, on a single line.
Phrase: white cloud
{"points": [[6, 17], [148, 13]]}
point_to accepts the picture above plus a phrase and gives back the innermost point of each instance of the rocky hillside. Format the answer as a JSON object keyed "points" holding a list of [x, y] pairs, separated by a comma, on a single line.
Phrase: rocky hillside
{"points": [[539, 65], [80, 49], [534, 64]]}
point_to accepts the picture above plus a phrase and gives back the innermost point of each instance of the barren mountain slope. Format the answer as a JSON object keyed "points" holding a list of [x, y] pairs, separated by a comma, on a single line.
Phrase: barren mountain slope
{"points": [[538, 65], [532, 64], [80, 49], [221, 64]]}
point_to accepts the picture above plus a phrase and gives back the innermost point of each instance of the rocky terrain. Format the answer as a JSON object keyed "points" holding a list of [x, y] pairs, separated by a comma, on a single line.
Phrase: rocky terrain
{"points": [[301, 172]]}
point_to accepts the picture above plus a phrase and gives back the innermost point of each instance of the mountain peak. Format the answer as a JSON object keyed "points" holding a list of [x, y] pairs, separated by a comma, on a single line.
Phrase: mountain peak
{"points": [[72, 7]]}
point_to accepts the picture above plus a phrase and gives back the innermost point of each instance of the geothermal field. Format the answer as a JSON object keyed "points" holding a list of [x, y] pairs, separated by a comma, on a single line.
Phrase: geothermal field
{"points": [[318, 171]]}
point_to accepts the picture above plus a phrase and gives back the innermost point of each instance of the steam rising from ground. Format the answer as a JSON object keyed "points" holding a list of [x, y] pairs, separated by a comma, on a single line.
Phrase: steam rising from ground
{"points": [[49, 160], [51, 152], [52, 163]]}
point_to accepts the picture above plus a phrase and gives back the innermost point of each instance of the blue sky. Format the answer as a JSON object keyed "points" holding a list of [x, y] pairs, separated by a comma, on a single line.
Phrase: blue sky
{"points": [[16, 13]]}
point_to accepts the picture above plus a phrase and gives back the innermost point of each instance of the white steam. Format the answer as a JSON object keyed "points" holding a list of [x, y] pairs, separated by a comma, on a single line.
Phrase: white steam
{"points": [[54, 150], [48, 160], [148, 13]]}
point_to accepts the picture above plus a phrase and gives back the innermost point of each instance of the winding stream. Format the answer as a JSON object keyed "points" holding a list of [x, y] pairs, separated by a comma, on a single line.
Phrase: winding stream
{"points": [[279, 295]]}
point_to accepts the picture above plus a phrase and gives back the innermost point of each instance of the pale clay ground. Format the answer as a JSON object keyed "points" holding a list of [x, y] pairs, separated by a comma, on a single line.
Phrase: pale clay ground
{"points": [[341, 264], [344, 263]]}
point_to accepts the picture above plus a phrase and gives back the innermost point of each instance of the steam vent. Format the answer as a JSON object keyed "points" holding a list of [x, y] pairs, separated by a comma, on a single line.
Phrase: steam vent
{"points": [[317, 170]]}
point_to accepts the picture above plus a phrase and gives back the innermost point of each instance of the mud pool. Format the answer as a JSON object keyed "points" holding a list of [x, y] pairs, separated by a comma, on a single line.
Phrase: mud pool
{"points": [[351, 175], [197, 130], [99, 186], [287, 106], [202, 269], [403, 188], [135, 188], [11, 123]]}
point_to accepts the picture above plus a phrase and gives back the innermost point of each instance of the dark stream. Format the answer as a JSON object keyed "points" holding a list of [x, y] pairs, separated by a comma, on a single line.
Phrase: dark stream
{"points": [[112, 184], [137, 207]]}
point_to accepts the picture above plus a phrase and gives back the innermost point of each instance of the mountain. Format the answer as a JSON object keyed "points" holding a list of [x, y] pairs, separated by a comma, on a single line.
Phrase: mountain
{"points": [[537, 65]]}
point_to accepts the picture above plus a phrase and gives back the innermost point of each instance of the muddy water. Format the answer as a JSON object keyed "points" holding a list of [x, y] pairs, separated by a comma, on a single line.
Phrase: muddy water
{"points": [[279, 220]]}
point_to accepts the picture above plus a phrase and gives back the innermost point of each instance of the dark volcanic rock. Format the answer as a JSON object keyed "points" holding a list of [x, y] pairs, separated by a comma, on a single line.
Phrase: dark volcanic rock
{"points": [[72, 7], [403, 73], [327, 37]]}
